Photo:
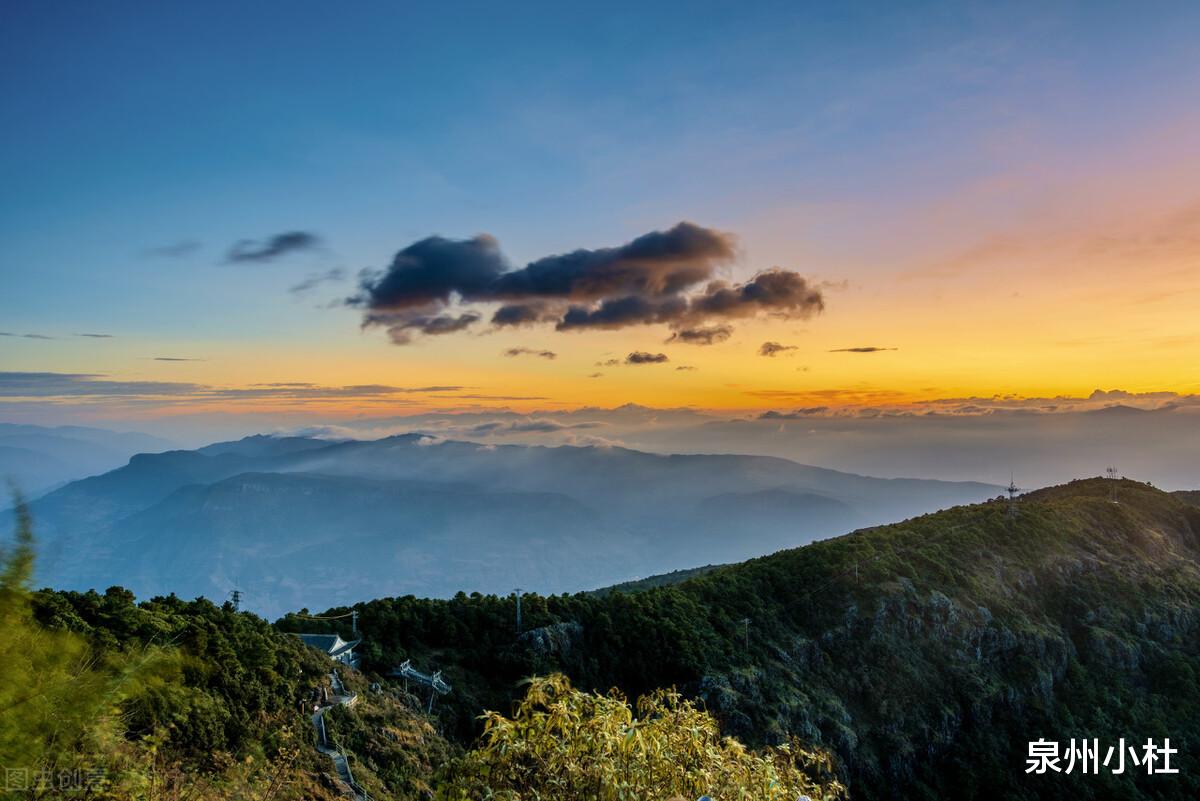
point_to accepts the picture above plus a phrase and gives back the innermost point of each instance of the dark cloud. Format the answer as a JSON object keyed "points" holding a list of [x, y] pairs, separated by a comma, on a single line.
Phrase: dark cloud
{"points": [[704, 335], [24, 336], [641, 357], [316, 279], [430, 272], [545, 354], [663, 277], [608, 363], [773, 348], [175, 250], [685, 367], [401, 327], [175, 359], [96, 336], [795, 414], [596, 375], [49, 385], [779, 292], [264, 250], [527, 313], [656, 264], [866, 349], [528, 426]]}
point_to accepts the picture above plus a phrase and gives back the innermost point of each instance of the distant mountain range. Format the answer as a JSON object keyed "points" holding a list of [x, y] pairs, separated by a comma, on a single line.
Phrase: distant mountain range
{"points": [[38, 459], [303, 522]]}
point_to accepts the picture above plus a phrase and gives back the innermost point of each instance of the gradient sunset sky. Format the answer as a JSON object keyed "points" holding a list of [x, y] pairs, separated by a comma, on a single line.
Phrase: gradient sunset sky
{"points": [[988, 198]]}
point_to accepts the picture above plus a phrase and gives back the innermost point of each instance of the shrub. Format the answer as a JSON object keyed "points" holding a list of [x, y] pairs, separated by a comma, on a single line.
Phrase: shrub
{"points": [[568, 745]]}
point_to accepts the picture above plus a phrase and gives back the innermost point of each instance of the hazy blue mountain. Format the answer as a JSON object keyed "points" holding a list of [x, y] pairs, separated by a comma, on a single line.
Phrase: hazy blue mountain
{"points": [[38, 458], [307, 522]]}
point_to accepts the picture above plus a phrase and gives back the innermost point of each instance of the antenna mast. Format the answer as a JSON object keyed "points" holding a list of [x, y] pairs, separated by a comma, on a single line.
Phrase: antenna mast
{"points": [[518, 594], [236, 598], [1112, 489], [1012, 489]]}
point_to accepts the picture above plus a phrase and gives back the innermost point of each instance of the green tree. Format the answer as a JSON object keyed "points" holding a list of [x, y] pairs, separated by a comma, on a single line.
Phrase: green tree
{"points": [[568, 745]]}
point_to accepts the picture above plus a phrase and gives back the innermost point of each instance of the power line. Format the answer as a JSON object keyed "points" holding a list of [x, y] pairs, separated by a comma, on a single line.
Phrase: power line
{"points": [[353, 614]]}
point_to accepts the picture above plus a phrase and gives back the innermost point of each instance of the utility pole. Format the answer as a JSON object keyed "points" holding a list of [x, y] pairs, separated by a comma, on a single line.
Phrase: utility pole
{"points": [[354, 621], [518, 594], [236, 598]]}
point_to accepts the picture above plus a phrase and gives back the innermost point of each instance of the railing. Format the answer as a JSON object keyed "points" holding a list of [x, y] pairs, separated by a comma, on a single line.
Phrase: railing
{"points": [[435, 680]]}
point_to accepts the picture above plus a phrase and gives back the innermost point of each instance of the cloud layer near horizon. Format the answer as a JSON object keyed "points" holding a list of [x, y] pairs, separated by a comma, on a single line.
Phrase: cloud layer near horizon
{"points": [[434, 286]]}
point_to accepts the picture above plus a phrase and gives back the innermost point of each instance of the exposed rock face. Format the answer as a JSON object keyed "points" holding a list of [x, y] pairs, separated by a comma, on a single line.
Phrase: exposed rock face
{"points": [[559, 643]]}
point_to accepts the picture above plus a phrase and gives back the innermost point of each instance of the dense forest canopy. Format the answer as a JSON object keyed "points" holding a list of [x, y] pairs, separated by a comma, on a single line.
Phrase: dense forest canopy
{"points": [[925, 654]]}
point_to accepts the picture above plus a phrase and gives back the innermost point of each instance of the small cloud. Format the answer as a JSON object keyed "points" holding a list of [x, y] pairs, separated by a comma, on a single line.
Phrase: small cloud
{"points": [[685, 367], [428, 441], [545, 354], [176, 250], [174, 359], [96, 336], [608, 363], [596, 375], [865, 349], [702, 335], [316, 279], [772, 349], [253, 250], [24, 336], [642, 357]]}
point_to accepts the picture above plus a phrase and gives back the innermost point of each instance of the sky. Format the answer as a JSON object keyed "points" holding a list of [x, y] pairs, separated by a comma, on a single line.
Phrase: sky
{"points": [[244, 216]]}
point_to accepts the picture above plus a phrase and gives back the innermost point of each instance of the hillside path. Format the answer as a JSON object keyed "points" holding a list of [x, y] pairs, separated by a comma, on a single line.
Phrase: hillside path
{"points": [[340, 764]]}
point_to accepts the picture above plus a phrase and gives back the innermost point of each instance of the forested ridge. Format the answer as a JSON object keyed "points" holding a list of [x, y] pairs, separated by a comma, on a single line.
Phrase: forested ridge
{"points": [[924, 654]]}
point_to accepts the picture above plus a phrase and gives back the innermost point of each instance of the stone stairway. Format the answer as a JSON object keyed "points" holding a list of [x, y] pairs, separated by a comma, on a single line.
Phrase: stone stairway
{"points": [[341, 765]]}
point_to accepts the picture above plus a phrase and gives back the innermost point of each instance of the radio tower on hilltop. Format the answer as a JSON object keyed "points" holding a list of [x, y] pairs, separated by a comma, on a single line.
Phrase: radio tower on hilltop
{"points": [[1012, 489], [1112, 489], [236, 598]]}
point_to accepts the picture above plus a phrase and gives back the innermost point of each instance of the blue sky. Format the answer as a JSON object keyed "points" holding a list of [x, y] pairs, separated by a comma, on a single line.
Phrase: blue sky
{"points": [[809, 129]]}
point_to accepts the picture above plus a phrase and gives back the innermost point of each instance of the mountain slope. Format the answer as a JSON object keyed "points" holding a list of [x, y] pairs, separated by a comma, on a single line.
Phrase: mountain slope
{"points": [[37, 458], [289, 538], [926, 654]]}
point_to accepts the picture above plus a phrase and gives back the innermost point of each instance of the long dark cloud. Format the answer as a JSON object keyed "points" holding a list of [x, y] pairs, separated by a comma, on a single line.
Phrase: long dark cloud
{"points": [[663, 277], [545, 354], [175, 250], [316, 279], [271, 248], [864, 349], [531, 425], [641, 357], [773, 349], [24, 336], [49, 385], [96, 336]]}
